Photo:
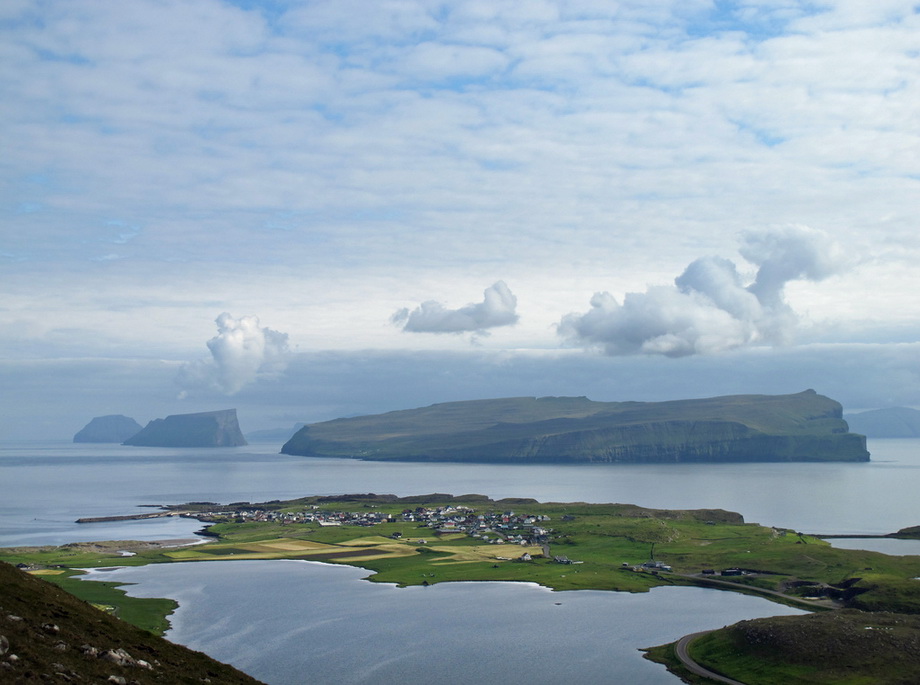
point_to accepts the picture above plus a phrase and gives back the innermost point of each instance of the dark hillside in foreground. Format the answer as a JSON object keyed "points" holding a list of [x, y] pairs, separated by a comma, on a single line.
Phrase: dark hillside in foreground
{"points": [[800, 427], [58, 638]]}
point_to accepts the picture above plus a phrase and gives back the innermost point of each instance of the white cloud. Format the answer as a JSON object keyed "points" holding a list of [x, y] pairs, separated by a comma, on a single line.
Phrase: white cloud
{"points": [[242, 352], [496, 309], [709, 309], [556, 143]]}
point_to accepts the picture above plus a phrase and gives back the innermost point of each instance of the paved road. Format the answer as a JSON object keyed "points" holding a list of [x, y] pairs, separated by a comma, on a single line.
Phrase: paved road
{"points": [[681, 650], [751, 589]]}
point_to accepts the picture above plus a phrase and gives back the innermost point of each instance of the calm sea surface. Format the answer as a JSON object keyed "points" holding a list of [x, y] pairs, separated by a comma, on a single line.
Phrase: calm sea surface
{"points": [[293, 622], [44, 488]]}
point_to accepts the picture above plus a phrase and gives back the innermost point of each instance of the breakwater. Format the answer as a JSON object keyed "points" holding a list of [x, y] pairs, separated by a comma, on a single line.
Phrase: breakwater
{"points": [[128, 517]]}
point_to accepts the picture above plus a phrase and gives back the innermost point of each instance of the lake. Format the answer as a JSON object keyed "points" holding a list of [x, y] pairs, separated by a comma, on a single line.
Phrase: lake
{"points": [[282, 620]]}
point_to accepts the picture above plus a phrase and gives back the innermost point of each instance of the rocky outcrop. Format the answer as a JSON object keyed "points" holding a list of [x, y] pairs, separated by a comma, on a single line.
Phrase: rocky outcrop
{"points": [[800, 427], [111, 428], [204, 429]]}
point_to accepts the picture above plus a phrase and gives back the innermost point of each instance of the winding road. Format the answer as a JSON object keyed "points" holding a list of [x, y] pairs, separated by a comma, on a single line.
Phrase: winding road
{"points": [[681, 647], [681, 650]]}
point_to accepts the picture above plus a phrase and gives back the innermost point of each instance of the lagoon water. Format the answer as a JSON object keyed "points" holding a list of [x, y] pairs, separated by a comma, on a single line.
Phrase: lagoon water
{"points": [[292, 622], [288, 622]]}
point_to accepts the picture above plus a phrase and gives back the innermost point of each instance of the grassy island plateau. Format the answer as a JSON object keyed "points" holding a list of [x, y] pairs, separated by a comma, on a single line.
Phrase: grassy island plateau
{"points": [[804, 426], [437, 538]]}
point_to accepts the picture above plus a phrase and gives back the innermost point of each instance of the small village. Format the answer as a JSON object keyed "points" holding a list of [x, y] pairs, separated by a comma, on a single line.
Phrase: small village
{"points": [[497, 528]]}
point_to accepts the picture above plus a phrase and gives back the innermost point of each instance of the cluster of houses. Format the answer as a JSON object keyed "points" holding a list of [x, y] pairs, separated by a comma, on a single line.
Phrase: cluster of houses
{"points": [[492, 527], [323, 518]]}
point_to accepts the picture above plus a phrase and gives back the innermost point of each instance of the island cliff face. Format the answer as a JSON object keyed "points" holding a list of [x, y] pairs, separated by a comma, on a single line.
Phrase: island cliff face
{"points": [[801, 427], [205, 429], [111, 428]]}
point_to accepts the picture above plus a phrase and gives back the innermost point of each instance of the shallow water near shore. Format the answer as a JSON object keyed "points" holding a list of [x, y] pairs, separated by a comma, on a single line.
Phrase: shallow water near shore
{"points": [[288, 622]]}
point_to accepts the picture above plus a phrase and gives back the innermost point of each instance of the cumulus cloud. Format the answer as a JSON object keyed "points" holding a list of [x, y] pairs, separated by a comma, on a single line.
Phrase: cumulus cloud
{"points": [[709, 309], [497, 309], [242, 352]]}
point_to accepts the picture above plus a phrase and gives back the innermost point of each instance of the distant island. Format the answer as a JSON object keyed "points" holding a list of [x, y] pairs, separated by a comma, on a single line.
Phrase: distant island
{"points": [[804, 426], [204, 429], [893, 422], [111, 428]]}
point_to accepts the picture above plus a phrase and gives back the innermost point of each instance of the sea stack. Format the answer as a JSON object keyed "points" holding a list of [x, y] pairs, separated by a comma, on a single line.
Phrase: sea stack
{"points": [[111, 428], [204, 429]]}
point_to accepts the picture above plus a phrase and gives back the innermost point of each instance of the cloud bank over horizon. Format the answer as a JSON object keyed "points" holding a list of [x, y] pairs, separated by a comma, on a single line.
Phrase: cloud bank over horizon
{"points": [[242, 352], [324, 167], [498, 308], [709, 310]]}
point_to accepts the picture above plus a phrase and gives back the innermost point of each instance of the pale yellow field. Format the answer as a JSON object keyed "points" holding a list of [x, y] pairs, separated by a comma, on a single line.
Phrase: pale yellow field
{"points": [[377, 547], [371, 541], [46, 572], [287, 545], [468, 555]]}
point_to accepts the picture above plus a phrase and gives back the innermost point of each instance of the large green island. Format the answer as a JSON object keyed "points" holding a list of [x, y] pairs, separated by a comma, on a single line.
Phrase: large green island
{"points": [[804, 426], [438, 538]]}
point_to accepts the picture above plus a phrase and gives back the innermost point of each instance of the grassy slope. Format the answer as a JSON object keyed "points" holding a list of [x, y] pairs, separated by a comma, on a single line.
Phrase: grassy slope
{"points": [[841, 648], [54, 654]]}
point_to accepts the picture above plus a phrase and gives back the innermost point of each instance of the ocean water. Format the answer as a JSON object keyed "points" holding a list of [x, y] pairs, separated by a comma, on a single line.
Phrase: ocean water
{"points": [[45, 487]]}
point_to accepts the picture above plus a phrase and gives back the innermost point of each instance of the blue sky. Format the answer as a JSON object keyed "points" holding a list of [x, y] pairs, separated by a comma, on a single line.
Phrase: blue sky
{"points": [[406, 202]]}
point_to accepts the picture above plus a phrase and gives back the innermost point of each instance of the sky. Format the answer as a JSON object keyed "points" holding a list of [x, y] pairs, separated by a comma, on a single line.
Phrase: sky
{"points": [[308, 210]]}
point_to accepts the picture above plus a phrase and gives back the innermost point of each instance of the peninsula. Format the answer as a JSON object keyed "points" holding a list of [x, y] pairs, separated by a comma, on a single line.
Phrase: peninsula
{"points": [[204, 429], [428, 539], [804, 426]]}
